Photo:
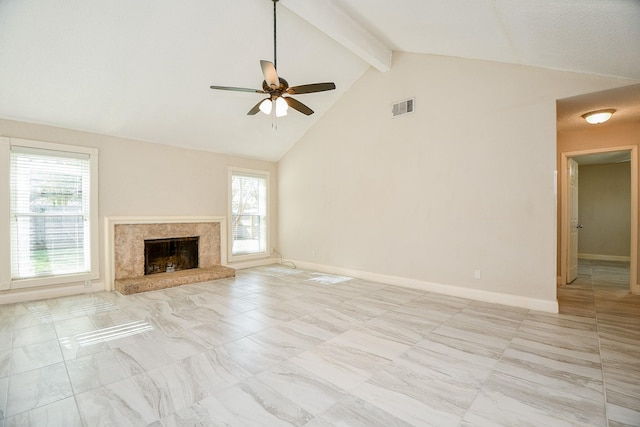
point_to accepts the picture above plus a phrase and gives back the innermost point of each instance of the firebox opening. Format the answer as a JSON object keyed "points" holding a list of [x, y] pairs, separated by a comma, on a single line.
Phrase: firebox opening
{"points": [[167, 255]]}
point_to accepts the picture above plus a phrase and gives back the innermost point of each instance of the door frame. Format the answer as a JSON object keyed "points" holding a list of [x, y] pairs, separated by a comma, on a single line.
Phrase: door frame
{"points": [[572, 253], [564, 212]]}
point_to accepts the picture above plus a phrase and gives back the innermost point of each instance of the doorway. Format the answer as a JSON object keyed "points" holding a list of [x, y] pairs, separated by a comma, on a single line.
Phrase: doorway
{"points": [[567, 231]]}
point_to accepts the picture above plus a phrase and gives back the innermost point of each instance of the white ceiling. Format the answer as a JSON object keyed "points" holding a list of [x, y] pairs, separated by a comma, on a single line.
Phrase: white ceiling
{"points": [[141, 69]]}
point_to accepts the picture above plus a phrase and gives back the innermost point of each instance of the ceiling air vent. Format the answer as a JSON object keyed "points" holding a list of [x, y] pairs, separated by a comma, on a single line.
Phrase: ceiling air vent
{"points": [[403, 107]]}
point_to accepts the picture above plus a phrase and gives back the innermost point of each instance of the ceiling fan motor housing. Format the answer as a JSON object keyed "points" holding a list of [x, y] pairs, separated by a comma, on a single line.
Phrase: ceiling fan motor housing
{"points": [[284, 85]]}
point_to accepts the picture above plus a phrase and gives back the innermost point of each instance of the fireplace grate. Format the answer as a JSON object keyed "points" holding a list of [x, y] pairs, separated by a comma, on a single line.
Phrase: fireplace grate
{"points": [[169, 255]]}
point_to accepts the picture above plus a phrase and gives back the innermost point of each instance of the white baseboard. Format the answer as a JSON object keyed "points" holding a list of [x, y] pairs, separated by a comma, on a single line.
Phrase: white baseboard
{"points": [[33, 294], [456, 291], [601, 257]]}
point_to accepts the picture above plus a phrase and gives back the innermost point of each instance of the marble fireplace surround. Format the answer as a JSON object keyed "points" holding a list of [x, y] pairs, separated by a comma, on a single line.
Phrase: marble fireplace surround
{"points": [[125, 251]]}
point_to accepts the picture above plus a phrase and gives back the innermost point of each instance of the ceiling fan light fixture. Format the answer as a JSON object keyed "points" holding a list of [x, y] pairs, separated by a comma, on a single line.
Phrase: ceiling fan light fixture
{"points": [[281, 107], [266, 106], [599, 116], [274, 87]]}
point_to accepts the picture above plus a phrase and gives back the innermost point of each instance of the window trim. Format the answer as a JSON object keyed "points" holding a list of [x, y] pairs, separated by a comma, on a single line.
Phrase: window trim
{"points": [[258, 173], [6, 282]]}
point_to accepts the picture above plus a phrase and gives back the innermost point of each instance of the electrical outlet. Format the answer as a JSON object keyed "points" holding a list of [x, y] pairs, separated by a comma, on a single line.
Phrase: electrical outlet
{"points": [[476, 274], [313, 253], [87, 284]]}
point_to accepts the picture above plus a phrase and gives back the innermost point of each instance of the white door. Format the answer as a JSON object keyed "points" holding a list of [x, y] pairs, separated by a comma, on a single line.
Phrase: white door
{"points": [[573, 221]]}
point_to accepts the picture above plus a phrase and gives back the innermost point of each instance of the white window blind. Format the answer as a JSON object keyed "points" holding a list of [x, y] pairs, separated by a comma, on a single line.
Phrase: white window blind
{"points": [[248, 213], [50, 230]]}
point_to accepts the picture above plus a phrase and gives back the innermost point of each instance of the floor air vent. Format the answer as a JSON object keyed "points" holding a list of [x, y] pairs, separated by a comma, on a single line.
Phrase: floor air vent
{"points": [[403, 107]]}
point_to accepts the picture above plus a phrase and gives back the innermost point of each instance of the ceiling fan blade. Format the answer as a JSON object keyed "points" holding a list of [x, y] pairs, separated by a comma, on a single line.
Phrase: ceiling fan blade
{"points": [[270, 73], [256, 108], [237, 89], [311, 88], [297, 105]]}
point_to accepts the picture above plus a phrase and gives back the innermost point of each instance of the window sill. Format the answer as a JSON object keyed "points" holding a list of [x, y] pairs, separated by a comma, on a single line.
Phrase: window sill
{"points": [[52, 280], [247, 257]]}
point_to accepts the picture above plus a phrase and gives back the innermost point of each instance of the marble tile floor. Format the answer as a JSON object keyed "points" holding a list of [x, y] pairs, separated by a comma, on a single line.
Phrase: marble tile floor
{"points": [[283, 347]]}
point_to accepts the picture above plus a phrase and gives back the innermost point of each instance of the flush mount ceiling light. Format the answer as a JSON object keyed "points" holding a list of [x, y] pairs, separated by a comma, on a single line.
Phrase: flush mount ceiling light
{"points": [[599, 116]]}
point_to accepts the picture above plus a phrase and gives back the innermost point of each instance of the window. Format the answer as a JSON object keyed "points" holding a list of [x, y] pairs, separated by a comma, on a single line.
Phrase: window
{"points": [[52, 213], [249, 212]]}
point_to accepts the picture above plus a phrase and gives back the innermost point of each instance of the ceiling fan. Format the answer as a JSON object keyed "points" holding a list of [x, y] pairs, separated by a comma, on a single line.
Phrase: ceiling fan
{"points": [[276, 87]]}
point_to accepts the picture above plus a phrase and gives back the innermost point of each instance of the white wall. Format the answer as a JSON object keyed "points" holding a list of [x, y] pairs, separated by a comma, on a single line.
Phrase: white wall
{"points": [[604, 204], [465, 183], [143, 179]]}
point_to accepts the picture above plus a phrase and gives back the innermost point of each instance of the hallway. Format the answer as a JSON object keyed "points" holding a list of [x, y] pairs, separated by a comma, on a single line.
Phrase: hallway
{"points": [[600, 297]]}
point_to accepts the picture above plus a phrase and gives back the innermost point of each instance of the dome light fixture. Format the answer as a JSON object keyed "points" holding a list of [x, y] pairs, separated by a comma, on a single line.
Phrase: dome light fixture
{"points": [[599, 116]]}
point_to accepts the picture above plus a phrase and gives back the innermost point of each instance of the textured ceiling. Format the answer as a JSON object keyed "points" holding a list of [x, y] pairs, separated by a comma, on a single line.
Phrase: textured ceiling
{"points": [[592, 36], [142, 69]]}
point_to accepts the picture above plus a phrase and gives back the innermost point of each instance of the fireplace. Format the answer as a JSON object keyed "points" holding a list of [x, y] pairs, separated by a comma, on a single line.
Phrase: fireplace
{"points": [[169, 255], [128, 239]]}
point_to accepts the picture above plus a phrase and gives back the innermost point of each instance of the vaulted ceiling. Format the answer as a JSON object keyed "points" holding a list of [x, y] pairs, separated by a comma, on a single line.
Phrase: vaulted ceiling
{"points": [[141, 69]]}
